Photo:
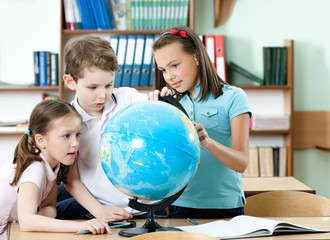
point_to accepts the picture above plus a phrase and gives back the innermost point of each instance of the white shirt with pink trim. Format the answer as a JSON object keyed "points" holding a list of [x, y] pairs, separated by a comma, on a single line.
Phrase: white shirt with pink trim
{"points": [[39, 173]]}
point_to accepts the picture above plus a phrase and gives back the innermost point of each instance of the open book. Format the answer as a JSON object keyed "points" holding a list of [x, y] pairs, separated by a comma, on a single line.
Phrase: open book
{"points": [[247, 226]]}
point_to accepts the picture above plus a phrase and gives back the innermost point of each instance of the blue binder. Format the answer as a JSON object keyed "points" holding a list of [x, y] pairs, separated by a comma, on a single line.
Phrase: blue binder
{"points": [[152, 70], [121, 53], [114, 43], [146, 65], [138, 57], [42, 68], [128, 67]]}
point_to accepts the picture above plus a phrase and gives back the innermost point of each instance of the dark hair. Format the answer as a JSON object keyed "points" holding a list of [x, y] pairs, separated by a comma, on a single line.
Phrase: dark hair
{"points": [[40, 122], [210, 82], [87, 52]]}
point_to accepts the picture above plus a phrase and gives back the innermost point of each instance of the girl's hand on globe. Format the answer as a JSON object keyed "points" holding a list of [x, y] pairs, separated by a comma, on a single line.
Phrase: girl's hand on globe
{"points": [[203, 136], [95, 226], [107, 214], [156, 93]]}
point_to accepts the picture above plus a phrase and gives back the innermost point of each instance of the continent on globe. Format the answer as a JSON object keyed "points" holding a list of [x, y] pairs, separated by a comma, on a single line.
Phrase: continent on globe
{"points": [[150, 150]]}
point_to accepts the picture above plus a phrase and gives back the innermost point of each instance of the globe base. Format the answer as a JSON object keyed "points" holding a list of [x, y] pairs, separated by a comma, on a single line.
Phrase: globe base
{"points": [[151, 225]]}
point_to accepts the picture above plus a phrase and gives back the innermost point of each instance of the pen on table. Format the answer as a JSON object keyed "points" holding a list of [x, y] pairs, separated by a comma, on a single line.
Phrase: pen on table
{"points": [[192, 221], [114, 226]]}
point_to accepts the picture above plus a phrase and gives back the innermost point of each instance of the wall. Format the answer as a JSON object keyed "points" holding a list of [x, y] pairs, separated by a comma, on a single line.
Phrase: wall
{"points": [[26, 26], [257, 23], [35, 25]]}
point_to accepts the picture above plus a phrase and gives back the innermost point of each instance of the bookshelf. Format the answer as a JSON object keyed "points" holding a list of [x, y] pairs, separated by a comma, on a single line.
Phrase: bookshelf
{"points": [[32, 95], [66, 34], [286, 93]]}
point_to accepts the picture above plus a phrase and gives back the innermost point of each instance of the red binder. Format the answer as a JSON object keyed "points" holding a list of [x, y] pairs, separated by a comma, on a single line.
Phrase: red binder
{"points": [[209, 46], [220, 60]]}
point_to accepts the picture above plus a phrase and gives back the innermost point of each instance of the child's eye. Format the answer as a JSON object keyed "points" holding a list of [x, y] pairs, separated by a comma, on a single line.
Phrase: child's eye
{"points": [[66, 135], [108, 85], [78, 134], [175, 65], [92, 88]]}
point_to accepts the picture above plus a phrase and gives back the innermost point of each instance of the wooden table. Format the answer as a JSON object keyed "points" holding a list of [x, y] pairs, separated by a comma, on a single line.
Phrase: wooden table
{"points": [[255, 185], [314, 222]]}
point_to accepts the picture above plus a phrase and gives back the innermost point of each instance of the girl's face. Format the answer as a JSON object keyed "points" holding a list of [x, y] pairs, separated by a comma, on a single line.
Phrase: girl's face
{"points": [[94, 90], [180, 69], [60, 144]]}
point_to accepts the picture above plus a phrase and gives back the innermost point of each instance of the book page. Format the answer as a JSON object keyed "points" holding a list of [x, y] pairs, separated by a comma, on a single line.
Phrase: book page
{"points": [[244, 226], [241, 226]]}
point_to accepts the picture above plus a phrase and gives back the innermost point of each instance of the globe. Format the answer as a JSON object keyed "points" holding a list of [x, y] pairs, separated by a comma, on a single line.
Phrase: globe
{"points": [[150, 150]]}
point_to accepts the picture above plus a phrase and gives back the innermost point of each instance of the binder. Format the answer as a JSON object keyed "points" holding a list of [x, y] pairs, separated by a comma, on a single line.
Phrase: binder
{"points": [[83, 14], [77, 14], [111, 17], [94, 14], [209, 46], [184, 13], [53, 69], [128, 66], [119, 13], [139, 52], [121, 53], [42, 68], [69, 15], [36, 67], [220, 59], [88, 7], [146, 65], [152, 70], [104, 14], [114, 43]]}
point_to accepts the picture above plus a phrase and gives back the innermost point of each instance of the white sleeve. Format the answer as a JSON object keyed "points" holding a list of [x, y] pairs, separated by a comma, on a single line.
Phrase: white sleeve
{"points": [[129, 95], [34, 173]]}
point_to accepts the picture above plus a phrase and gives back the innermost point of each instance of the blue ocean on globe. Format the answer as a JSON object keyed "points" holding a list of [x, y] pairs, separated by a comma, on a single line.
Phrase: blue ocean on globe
{"points": [[150, 150]]}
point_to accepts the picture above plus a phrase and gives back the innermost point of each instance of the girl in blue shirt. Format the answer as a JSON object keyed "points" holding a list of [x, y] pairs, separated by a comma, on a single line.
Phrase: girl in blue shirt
{"points": [[220, 113]]}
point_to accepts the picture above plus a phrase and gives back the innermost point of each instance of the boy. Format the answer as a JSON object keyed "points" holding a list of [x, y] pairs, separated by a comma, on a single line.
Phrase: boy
{"points": [[91, 65]]}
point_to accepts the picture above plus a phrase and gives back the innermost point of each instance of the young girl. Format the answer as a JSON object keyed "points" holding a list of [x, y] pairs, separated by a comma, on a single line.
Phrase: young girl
{"points": [[28, 186], [220, 113]]}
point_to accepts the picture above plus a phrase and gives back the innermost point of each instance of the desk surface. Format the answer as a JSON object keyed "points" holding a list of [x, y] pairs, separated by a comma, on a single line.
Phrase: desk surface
{"points": [[314, 222], [255, 185]]}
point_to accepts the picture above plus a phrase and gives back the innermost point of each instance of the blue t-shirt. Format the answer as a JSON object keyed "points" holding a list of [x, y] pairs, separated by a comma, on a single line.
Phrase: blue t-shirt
{"points": [[214, 185]]}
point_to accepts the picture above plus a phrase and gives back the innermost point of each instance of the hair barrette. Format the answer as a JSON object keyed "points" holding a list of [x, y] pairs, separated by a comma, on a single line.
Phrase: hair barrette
{"points": [[181, 33], [27, 132]]}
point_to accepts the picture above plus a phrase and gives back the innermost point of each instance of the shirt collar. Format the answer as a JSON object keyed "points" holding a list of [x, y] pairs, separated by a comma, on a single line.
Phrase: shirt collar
{"points": [[197, 90], [50, 173], [86, 117]]}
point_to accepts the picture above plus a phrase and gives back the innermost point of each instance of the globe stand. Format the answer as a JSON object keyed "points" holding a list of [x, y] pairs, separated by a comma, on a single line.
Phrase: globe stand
{"points": [[151, 224]]}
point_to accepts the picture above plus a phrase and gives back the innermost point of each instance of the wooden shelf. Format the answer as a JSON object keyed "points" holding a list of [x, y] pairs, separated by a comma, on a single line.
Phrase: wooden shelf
{"points": [[266, 87], [267, 132], [66, 34], [27, 88], [133, 32], [9, 134]]}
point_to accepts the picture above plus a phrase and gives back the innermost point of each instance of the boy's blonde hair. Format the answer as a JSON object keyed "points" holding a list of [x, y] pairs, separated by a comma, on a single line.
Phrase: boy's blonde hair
{"points": [[88, 52]]}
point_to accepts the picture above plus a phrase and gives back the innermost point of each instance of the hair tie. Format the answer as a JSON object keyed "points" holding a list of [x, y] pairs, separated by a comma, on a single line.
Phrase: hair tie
{"points": [[27, 132], [176, 32]]}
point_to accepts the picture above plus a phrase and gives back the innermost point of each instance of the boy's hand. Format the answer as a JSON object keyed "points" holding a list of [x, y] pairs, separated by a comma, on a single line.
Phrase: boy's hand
{"points": [[94, 225], [107, 214], [156, 93]]}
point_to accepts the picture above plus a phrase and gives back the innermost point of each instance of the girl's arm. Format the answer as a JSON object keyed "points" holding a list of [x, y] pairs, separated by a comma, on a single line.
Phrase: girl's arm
{"points": [[236, 158], [29, 220], [47, 207], [78, 190]]}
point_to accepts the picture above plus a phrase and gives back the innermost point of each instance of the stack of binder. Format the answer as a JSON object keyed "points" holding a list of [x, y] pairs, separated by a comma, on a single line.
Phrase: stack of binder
{"points": [[135, 60]]}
